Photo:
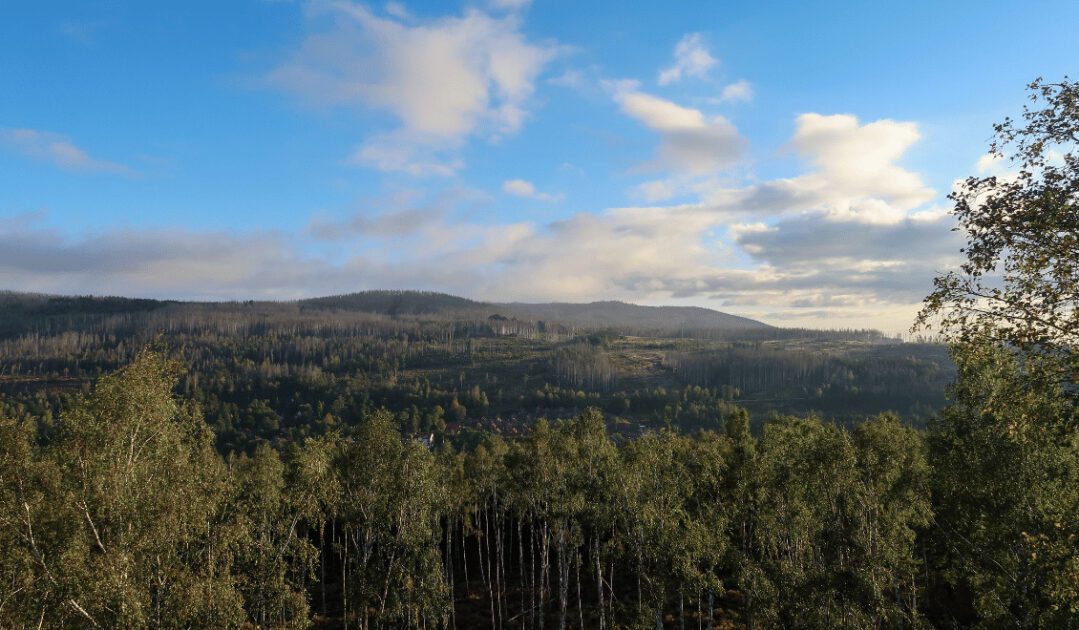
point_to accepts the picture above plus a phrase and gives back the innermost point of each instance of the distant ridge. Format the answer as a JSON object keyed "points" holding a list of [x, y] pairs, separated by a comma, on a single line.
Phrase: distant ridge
{"points": [[395, 302], [592, 315], [15, 308], [622, 314]]}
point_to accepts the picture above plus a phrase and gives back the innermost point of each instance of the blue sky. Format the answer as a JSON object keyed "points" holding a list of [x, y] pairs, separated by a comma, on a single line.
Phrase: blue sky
{"points": [[781, 160]]}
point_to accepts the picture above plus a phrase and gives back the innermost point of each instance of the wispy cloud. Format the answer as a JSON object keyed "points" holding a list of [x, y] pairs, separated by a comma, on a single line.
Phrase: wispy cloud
{"points": [[691, 59], [739, 91], [58, 150], [526, 189]]}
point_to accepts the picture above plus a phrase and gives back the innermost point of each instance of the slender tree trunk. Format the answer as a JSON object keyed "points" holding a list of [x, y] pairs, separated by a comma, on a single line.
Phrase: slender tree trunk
{"points": [[450, 582], [500, 566], [490, 581], [322, 564], [599, 581], [464, 554], [344, 579], [532, 569], [610, 588], [545, 546], [580, 600], [521, 567], [563, 578]]}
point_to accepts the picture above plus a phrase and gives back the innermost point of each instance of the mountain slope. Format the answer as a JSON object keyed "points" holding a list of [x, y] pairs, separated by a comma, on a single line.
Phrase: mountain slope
{"points": [[591, 315], [621, 314], [17, 310]]}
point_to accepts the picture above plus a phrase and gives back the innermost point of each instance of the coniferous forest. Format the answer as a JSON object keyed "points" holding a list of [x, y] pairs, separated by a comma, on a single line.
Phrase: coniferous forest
{"points": [[411, 460]]}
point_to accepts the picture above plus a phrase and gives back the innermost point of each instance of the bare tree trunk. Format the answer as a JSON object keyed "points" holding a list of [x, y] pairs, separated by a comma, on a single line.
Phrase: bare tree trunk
{"points": [[322, 564], [580, 600], [464, 555], [500, 564], [563, 578], [599, 581], [344, 579], [449, 573], [521, 567], [545, 554], [610, 588], [532, 572], [488, 565]]}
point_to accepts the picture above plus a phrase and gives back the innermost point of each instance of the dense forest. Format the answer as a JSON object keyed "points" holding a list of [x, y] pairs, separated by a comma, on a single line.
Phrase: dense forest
{"points": [[423, 461], [281, 372]]}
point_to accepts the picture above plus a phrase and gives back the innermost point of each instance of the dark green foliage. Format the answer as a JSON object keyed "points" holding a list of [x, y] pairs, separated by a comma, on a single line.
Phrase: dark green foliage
{"points": [[128, 518], [833, 517], [1006, 477]]}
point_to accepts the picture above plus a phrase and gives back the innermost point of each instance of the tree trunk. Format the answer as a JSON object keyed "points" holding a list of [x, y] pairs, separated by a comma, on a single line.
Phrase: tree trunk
{"points": [[563, 578], [599, 581], [580, 601], [521, 567], [344, 579]]}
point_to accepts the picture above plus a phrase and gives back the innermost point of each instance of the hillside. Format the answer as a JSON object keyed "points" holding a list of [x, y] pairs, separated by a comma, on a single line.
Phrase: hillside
{"points": [[18, 308], [621, 314], [607, 314]]}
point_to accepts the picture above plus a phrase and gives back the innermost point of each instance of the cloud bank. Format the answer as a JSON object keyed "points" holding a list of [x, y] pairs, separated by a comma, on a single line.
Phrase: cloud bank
{"points": [[849, 240]]}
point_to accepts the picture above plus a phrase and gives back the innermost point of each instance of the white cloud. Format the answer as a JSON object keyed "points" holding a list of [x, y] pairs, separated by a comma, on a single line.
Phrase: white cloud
{"points": [[526, 189], [691, 59], [989, 163], [690, 142], [857, 177], [739, 91], [445, 80], [58, 150]]}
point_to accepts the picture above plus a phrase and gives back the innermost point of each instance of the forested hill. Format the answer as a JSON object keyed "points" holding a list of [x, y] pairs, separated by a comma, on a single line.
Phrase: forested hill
{"points": [[18, 310], [395, 303], [607, 314], [621, 314]]}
